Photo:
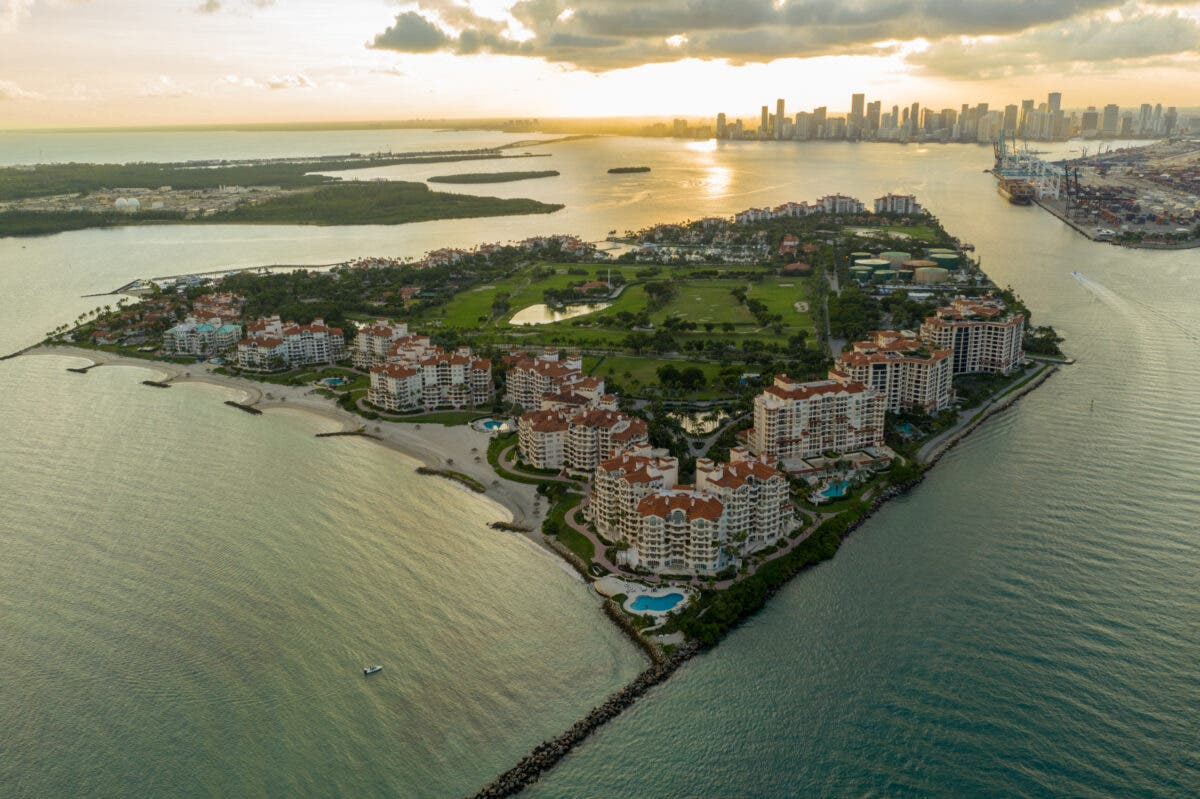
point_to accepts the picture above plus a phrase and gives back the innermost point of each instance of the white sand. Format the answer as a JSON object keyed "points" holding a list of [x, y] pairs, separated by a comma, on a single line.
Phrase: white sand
{"points": [[433, 445]]}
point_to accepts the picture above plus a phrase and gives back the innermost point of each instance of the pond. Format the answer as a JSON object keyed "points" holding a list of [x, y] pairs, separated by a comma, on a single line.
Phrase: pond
{"points": [[542, 314]]}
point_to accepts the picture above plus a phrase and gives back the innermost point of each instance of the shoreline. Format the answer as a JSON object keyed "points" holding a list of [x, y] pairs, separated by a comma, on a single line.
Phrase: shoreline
{"points": [[424, 444]]}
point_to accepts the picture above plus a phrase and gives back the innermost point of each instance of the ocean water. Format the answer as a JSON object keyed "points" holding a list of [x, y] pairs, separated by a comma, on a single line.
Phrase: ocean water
{"points": [[184, 610]]}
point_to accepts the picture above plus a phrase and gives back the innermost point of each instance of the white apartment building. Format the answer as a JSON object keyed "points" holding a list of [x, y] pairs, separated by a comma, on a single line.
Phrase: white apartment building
{"points": [[201, 337], [620, 483], [576, 439], [795, 420], [271, 344], [681, 531], [373, 342], [531, 377], [839, 204], [984, 336], [753, 493], [418, 375], [897, 204], [909, 374]]}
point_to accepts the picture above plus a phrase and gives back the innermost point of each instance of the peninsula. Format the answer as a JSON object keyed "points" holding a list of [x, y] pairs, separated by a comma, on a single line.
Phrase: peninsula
{"points": [[689, 424], [52, 198]]}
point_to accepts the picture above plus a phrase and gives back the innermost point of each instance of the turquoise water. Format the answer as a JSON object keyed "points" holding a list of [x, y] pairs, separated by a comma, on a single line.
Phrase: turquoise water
{"points": [[837, 488], [657, 603], [187, 594], [492, 424]]}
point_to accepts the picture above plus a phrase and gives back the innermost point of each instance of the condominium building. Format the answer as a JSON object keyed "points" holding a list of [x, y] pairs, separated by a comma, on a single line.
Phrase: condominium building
{"points": [[578, 439], [196, 337], [419, 375], [733, 508], [897, 204], [620, 483], [373, 342], [271, 344], [983, 334], [681, 531], [909, 374], [839, 204], [531, 377], [797, 420], [753, 493]]}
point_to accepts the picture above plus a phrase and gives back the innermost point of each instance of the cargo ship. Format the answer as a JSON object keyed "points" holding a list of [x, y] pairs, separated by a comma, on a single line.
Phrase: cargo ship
{"points": [[1017, 192]]}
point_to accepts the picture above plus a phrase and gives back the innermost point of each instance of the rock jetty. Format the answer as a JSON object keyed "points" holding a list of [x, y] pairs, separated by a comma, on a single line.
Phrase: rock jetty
{"points": [[547, 754]]}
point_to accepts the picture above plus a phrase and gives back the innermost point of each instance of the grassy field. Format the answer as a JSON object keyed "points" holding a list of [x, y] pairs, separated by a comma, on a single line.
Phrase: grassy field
{"points": [[702, 301], [635, 373], [781, 296]]}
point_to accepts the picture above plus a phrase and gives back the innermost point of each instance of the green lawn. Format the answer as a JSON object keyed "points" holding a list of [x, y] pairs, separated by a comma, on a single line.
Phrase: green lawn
{"points": [[635, 373], [781, 295], [703, 301]]}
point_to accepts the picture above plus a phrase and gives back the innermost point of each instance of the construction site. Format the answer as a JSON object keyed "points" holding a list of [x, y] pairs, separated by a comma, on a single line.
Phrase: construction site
{"points": [[1134, 196]]}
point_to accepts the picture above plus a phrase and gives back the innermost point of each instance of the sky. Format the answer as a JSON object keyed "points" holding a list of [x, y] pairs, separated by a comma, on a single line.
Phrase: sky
{"points": [[66, 63]]}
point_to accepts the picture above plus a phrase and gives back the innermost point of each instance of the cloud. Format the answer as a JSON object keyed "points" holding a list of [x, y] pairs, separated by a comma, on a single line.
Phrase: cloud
{"points": [[216, 6], [1096, 43], [12, 12], [11, 91], [163, 86], [412, 33], [611, 34], [297, 80]]}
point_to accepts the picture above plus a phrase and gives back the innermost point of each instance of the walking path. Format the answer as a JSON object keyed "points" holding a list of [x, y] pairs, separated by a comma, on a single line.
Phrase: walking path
{"points": [[969, 418]]}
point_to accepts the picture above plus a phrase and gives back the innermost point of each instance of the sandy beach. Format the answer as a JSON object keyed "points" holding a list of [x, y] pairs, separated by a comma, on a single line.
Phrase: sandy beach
{"points": [[460, 447]]}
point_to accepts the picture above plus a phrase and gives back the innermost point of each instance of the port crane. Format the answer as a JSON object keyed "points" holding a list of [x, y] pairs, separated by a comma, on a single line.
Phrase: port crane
{"points": [[1013, 164]]}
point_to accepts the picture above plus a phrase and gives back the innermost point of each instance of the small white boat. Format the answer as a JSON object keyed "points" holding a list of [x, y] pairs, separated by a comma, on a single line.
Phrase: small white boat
{"points": [[369, 670]]}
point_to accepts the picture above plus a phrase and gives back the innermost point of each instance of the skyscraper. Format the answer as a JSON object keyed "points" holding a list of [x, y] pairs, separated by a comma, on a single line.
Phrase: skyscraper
{"points": [[873, 112], [1054, 102], [1010, 120], [816, 129], [764, 127], [856, 114], [779, 116], [721, 125], [1112, 116]]}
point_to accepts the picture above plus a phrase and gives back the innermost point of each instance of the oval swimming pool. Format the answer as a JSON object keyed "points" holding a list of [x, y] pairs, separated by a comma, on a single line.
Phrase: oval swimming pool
{"points": [[657, 603]]}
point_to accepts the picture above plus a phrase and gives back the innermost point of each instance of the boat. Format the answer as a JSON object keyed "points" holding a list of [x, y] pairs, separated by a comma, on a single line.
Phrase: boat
{"points": [[369, 670], [1016, 191]]}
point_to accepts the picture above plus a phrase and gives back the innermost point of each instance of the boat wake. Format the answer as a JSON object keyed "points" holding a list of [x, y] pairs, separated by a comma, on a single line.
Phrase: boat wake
{"points": [[1134, 307]]}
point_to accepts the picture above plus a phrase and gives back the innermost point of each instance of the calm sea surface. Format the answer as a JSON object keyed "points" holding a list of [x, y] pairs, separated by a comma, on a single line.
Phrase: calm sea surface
{"points": [[186, 594]]}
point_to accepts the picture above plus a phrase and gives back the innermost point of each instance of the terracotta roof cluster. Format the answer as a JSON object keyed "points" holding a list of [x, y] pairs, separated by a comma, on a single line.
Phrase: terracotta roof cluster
{"points": [[812, 389], [737, 473], [694, 506]]}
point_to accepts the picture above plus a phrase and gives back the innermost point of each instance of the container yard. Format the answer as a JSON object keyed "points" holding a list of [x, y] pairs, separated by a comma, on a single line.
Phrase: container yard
{"points": [[1134, 196]]}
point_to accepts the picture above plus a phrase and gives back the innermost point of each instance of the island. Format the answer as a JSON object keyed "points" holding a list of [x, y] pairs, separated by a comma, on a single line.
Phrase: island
{"points": [[52, 198], [689, 424], [623, 170], [492, 177]]}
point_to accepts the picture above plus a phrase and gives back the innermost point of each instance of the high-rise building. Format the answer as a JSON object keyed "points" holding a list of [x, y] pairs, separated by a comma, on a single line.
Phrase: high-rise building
{"points": [[1023, 122], [817, 124], [764, 127], [721, 126], [779, 118], [857, 114], [873, 111], [914, 116], [1090, 121], [1054, 102], [1010, 120], [1111, 122]]}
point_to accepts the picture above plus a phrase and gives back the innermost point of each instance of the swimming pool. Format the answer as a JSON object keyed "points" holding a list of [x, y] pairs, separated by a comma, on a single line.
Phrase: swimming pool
{"points": [[492, 424], [659, 604], [835, 489]]}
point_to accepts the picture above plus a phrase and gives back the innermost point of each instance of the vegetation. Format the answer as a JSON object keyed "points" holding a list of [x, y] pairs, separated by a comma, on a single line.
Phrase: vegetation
{"points": [[492, 177], [466, 479], [381, 203], [49, 179], [621, 170]]}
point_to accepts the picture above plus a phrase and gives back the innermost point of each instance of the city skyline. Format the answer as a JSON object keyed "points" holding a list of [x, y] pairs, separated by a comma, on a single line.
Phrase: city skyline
{"points": [[187, 62]]}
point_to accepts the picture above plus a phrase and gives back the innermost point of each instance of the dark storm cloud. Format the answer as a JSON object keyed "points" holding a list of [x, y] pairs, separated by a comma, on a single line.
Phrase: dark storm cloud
{"points": [[599, 35], [412, 33]]}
